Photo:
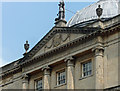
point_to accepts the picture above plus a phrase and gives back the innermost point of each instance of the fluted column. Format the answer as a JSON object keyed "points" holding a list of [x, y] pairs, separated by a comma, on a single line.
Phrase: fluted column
{"points": [[25, 79], [99, 67], [46, 80], [70, 72]]}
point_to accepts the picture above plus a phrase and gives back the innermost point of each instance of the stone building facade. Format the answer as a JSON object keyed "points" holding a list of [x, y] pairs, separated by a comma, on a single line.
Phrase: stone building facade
{"points": [[82, 54]]}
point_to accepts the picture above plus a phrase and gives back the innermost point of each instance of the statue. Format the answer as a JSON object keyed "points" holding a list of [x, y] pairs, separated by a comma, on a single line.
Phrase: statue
{"points": [[61, 14]]}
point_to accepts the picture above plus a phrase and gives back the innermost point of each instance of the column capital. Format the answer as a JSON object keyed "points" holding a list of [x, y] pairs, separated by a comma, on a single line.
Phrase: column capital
{"points": [[99, 50], [25, 81], [46, 70], [25, 76], [45, 67], [69, 60]]}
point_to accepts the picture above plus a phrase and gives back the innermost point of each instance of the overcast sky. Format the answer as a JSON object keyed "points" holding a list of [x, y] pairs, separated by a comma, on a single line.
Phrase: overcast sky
{"points": [[30, 21]]}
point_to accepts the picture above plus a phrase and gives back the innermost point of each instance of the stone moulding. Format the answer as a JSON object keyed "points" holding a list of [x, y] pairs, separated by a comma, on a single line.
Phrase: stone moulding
{"points": [[52, 32], [69, 44]]}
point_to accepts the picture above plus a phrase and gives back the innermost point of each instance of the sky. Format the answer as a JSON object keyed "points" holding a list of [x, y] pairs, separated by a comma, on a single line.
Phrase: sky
{"points": [[30, 21]]}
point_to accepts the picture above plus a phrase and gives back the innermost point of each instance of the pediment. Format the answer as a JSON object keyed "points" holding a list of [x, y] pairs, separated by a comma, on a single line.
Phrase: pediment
{"points": [[57, 40], [56, 37]]}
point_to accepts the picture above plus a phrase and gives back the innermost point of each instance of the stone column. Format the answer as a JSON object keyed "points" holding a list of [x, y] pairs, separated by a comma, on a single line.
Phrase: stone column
{"points": [[25, 81], [46, 80], [70, 73], [99, 67]]}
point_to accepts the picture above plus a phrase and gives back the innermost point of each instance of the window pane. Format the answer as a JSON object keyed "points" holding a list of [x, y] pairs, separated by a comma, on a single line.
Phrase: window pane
{"points": [[39, 85], [61, 78], [87, 68]]}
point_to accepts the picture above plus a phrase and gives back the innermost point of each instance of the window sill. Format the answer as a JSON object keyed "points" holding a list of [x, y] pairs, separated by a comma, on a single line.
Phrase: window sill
{"points": [[85, 77], [60, 85]]}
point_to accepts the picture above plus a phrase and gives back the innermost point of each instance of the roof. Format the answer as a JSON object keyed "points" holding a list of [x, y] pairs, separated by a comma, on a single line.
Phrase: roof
{"points": [[110, 9]]}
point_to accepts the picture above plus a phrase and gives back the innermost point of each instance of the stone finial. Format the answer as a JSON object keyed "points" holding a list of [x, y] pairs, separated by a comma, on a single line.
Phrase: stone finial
{"points": [[26, 46], [99, 11]]}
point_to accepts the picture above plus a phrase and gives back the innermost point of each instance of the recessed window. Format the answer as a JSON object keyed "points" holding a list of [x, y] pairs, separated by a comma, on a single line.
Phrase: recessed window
{"points": [[86, 68], [61, 77], [39, 84]]}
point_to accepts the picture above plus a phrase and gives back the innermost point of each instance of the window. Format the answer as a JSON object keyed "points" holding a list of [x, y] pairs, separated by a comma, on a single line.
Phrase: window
{"points": [[86, 68], [61, 77], [39, 84]]}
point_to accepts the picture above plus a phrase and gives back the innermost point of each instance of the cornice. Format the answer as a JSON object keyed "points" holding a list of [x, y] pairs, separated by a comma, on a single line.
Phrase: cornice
{"points": [[51, 33], [63, 47]]}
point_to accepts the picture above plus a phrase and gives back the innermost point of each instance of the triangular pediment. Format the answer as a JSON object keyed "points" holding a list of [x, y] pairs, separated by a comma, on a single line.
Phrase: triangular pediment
{"points": [[57, 40], [56, 37]]}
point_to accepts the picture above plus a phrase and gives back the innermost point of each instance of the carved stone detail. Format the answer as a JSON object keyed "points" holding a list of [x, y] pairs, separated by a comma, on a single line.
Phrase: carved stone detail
{"points": [[99, 50], [69, 61], [57, 40], [25, 78], [65, 38], [46, 70]]}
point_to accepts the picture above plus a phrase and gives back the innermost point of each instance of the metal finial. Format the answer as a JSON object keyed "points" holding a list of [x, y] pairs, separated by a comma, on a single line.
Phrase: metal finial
{"points": [[26, 46], [61, 14], [99, 11]]}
